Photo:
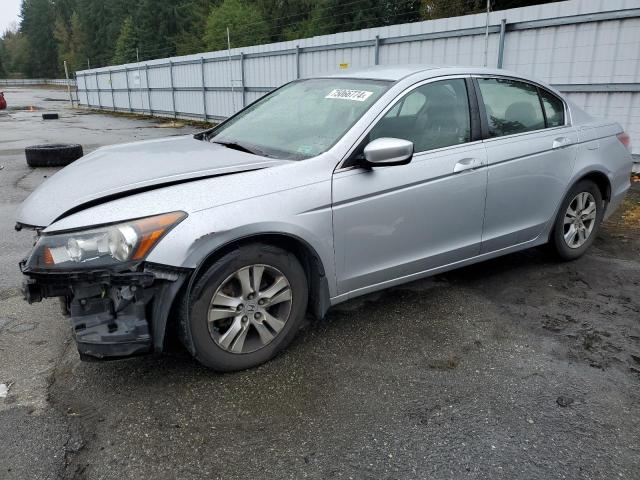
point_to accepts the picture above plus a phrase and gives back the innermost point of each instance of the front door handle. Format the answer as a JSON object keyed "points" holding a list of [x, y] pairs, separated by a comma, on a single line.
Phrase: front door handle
{"points": [[467, 164], [561, 142]]}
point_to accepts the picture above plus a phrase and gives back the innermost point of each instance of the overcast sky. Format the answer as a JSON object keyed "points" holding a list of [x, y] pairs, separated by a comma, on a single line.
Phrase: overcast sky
{"points": [[9, 10]]}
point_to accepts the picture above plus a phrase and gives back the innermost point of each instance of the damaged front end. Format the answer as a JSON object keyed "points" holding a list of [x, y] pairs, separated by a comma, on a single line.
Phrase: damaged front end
{"points": [[113, 314], [118, 304]]}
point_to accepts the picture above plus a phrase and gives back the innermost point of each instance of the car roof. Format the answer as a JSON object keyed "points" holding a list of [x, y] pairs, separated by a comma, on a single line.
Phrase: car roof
{"points": [[386, 72], [398, 72]]}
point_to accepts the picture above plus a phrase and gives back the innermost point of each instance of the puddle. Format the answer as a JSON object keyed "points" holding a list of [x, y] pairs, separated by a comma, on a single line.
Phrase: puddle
{"points": [[22, 327], [4, 321]]}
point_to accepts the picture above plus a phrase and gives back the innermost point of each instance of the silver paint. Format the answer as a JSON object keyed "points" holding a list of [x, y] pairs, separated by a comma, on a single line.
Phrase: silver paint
{"points": [[387, 151], [371, 228], [246, 312]]}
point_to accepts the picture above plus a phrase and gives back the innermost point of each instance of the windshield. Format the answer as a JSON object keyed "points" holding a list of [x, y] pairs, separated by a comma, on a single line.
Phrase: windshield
{"points": [[302, 119]]}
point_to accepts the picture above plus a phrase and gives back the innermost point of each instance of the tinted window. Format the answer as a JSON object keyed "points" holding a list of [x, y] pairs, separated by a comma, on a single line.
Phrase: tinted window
{"points": [[512, 107], [434, 115], [553, 109]]}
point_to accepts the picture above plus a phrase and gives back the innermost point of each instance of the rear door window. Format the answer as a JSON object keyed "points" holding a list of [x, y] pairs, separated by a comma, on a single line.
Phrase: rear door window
{"points": [[553, 109], [511, 106]]}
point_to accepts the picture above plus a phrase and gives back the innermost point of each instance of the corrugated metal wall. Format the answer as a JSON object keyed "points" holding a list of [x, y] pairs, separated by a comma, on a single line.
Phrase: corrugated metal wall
{"points": [[589, 49]]}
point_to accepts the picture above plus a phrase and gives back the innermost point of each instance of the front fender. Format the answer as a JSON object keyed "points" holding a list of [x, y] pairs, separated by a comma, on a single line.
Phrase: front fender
{"points": [[302, 213]]}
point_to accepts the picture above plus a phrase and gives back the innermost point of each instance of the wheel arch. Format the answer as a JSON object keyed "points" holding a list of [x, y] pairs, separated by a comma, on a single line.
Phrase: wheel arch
{"points": [[311, 261], [600, 179]]}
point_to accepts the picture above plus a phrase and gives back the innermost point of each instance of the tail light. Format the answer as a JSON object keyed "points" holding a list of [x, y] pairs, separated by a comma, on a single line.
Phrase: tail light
{"points": [[625, 140]]}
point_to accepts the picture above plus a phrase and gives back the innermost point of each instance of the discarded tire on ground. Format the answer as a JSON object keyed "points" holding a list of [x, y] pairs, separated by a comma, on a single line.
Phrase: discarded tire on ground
{"points": [[50, 116], [53, 155]]}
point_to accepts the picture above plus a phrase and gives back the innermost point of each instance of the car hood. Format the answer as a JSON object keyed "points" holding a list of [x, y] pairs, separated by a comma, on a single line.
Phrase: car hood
{"points": [[119, 170]]}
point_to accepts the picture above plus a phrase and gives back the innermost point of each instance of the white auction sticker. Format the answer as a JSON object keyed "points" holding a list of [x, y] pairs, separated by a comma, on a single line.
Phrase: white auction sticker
{"points": [[345, 94]]}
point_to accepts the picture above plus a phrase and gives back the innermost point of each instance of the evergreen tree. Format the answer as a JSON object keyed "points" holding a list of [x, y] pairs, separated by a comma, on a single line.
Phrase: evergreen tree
{"points": [[62, 34], [37, 25], [14, 51], [100, 23], [78, 43], [64, 9], [286, 15], [71, 42], [246, 25], [191, 22], [3, 70], [432, 9], [314, 24], [126, 44], [106, 31], [156, 24]]}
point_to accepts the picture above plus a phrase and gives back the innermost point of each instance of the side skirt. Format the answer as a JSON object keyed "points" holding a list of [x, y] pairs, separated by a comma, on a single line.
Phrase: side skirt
{"points": [[540, 240]]}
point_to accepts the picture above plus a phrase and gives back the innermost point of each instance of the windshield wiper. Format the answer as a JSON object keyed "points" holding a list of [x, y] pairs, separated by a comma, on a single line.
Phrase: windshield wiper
{"points": [[242, 148]]}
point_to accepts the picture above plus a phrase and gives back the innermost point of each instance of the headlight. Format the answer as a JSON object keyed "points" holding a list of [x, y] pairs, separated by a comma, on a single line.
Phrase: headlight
{"points": [[103, 246]]}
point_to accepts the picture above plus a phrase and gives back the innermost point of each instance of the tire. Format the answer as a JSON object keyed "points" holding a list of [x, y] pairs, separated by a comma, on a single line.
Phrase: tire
{"points": [[53, 155], [50, 116], [204, 340], [559, 244]]}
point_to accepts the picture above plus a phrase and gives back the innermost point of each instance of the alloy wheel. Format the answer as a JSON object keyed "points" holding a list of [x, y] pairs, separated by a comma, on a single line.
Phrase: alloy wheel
{"points": [[580, 219], [249, 308]]}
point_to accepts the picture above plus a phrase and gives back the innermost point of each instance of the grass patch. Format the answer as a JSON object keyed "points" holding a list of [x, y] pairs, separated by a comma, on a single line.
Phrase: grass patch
{"points": [[631, 210], [165, 122]]}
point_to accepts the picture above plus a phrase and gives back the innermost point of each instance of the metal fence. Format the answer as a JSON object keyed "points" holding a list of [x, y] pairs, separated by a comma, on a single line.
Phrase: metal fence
{"points": [[18, 82], [589, 49]]}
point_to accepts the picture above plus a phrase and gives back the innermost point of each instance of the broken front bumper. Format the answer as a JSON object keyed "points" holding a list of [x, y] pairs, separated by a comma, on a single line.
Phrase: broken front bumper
{"points": [[113, 314]]}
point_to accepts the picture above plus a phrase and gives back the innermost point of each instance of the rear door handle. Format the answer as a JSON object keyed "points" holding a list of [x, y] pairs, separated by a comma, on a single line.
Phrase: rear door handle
{"points": [[467, 164], [561, 142]]}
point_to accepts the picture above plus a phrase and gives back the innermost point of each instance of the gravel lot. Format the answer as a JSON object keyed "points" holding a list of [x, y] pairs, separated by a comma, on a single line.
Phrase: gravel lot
{"points": [[519, 367]]}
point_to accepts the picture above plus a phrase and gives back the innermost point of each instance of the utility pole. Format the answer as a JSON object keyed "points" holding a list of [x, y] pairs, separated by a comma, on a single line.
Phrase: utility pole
{"points": [[66, 74], [233, 96], [486, 35], [88, 65], [140, 82]]}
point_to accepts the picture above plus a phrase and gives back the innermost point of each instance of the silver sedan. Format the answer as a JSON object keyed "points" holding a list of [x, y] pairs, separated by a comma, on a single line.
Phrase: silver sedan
{"points": [[323, 190]]}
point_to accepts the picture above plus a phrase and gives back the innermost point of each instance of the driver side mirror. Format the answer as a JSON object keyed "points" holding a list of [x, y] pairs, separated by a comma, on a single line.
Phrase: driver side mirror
{"points": [[387, 152]]}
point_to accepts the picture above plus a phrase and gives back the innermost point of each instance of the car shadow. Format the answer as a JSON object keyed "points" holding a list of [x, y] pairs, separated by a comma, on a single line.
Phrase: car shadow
{"points": [[362, 313]]}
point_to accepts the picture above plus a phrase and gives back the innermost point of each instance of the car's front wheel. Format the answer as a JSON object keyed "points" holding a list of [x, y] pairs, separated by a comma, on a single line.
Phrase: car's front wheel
{"points": [[245, 308], [578, 220]]}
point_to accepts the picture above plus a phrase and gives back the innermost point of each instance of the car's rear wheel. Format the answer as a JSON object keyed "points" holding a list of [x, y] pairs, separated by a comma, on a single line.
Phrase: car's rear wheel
{"points": [[578, 220], [245, 308]]}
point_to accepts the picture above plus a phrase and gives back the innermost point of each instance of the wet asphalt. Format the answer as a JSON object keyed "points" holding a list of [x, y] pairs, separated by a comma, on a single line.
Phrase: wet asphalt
{"points": [[520, 367]]}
